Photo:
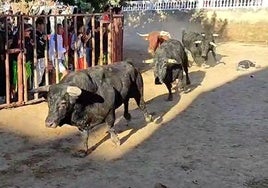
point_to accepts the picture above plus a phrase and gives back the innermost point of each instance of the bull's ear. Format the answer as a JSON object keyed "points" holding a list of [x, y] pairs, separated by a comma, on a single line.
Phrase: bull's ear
{"points": [[41, 89], [74, 91]]}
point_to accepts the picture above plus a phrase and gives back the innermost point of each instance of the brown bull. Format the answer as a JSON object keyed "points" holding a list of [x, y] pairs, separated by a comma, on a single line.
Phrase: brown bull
{"points": [[155, 39]]}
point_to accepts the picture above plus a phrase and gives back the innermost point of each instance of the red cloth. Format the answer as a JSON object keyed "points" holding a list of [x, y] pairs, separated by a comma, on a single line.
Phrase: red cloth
{"points": [[105, 17], [80, 64]]}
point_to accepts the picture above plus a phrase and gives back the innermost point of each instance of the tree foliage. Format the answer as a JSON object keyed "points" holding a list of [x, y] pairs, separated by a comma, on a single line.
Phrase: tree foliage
{"points": [[93, 5]]}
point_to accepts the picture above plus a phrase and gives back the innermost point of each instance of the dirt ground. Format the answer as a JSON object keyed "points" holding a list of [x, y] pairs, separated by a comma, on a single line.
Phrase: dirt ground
{"points": [[214, 136]]}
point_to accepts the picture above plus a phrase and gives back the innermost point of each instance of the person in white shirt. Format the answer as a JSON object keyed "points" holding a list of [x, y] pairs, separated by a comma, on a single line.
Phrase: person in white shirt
{"points": [[61, 50]]}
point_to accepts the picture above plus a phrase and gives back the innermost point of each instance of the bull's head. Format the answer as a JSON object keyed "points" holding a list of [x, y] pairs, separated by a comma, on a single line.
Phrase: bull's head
{"points": [[155, 38], [161, 66], [206, 44], [61, 100]]}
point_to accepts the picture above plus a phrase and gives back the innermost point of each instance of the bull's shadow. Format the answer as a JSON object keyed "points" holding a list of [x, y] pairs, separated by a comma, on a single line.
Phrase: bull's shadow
{"points": [[197, 78], [210, 62], [158, 107]]}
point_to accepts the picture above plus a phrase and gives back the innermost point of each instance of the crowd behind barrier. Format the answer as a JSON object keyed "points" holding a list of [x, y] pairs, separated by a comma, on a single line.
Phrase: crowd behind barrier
{"points": [[38, 50]]}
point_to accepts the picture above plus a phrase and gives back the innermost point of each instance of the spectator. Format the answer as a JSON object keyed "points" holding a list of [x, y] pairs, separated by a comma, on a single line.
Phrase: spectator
{"points": [[60, 50], [41, 39], [79, 40], [2, 63]]}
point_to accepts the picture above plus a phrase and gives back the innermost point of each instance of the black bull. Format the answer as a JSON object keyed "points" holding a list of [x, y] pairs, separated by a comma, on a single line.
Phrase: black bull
{"points": [[89, 97], [170, 61], [199, 44]]}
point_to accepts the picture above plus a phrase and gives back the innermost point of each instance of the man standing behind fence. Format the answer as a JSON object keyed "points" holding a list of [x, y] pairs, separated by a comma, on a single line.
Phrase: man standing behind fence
{"points": [[40, 48], [60, 48]]}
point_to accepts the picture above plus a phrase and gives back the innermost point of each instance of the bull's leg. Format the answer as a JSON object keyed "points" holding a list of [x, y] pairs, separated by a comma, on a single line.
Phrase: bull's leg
{"points": [[169, 86], [141, 104], [214, 56], [83, 152], [110, 119], [180, 85], [127, 115], [185, 67]]}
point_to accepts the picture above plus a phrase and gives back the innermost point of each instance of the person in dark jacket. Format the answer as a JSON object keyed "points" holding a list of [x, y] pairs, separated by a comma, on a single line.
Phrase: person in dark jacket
{"points": [[40, 48], [2, 64]]}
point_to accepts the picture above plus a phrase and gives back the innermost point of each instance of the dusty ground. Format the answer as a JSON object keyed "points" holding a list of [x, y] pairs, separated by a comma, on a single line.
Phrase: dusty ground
{"points": [[214, 136]]}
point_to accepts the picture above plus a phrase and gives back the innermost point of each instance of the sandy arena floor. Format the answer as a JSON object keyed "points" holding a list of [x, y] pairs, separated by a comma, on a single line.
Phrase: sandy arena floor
{"points": [[214, 136]]}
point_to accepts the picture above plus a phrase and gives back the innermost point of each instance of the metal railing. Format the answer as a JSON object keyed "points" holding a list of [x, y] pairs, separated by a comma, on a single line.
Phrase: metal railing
{"points": [[193, 4]]}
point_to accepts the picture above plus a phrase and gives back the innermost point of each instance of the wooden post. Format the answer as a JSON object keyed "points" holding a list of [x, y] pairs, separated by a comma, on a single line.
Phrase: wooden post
{"points": [[66, 41], [20, 77], [101, 43], [122, 38], [46, 52], [35, 58], [7, 67], [93, 41], [110, 39], [85, 51], [24, 65], [56, 57], [20, 68], [75, 44]]}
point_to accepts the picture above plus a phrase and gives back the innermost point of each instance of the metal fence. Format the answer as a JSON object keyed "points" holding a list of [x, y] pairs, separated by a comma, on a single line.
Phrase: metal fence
{"points": [[193, 4], [18, 75]]}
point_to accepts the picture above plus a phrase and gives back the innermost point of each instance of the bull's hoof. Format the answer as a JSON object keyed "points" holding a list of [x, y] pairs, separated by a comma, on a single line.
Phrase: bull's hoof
{"points": [[170, 98], [157, 81], [149, 118], [206, 66], [115, 139], [187, 90], [80, 154], [127, 116]]}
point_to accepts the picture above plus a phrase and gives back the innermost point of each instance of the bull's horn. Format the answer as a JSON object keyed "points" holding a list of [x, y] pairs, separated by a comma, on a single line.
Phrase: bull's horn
{"points": [[215, 35], [172, 61], [197, 41], [165, 33], [148, 61], [203, 34], [74, 91], [213, 44], [40, 89], [143, 35]]}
